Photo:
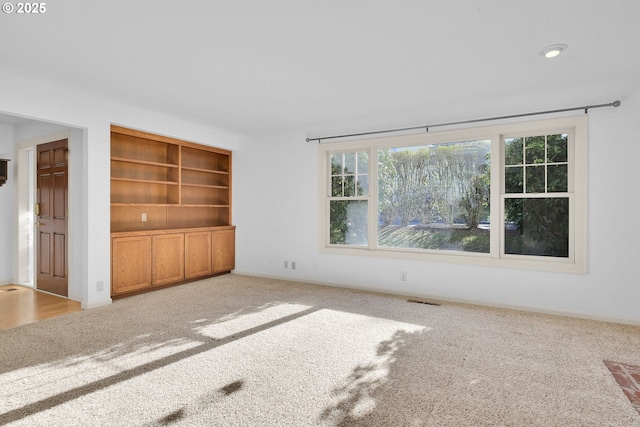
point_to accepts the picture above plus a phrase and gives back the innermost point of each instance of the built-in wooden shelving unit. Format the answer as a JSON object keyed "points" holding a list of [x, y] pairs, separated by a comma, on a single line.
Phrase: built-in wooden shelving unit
{"points": [[163, 190]]}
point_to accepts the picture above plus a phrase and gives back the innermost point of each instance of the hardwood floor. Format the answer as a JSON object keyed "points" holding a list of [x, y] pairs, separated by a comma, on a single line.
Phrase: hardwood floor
{"points": [[20, 305]]}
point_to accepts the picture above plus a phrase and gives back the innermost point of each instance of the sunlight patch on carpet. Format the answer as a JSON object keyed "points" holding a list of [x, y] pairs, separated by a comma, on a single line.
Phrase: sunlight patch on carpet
{"points": [[355, 396], [226, 328], [35, 383]]}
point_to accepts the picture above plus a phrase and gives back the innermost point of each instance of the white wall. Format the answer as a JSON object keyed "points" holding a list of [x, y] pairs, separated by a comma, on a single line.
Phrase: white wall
{"points": [[7, 192], [275, 209], [92, 116]]}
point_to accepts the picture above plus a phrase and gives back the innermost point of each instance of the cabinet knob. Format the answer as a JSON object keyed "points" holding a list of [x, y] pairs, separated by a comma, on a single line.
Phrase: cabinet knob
{"points": [[38, 224]]}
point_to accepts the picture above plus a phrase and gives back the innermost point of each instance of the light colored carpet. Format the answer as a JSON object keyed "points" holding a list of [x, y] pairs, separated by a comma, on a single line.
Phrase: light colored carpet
{"points": [[242, 351]]}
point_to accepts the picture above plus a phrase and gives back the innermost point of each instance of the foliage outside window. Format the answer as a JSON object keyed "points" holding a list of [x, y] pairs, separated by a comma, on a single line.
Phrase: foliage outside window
{"points": [[511, 195], [434, 196]]}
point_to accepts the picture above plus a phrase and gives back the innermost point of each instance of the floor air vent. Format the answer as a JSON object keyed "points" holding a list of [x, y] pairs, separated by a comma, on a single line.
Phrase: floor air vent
{"points": [[417, 301]]}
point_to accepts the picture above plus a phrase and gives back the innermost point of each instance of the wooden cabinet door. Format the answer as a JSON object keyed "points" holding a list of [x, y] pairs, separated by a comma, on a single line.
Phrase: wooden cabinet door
{"points": [[223, 248], [197, 254], [168, 258], [131, 264]]}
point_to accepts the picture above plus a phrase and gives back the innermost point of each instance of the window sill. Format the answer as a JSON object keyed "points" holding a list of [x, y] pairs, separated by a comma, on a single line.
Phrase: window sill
{"points": [[554, 265]]}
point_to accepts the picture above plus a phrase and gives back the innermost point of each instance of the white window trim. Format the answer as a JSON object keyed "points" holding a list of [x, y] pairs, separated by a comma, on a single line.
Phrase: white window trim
{"points": [[576, 126]]}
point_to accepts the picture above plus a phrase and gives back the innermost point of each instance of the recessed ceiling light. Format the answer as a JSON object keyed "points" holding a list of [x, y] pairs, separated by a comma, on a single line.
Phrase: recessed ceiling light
{"points": [[553, 50]]}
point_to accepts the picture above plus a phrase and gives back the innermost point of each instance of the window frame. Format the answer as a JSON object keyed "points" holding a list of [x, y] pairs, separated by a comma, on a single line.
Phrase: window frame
{"points": [[577, 151], [330, 197], [569, 194]]}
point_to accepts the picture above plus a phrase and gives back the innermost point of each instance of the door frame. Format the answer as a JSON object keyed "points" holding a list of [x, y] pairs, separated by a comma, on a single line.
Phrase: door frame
{"points": [[26, 243]]}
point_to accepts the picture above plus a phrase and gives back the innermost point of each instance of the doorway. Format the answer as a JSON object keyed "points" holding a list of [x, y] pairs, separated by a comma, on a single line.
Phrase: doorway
{"points": [[51, 214]]}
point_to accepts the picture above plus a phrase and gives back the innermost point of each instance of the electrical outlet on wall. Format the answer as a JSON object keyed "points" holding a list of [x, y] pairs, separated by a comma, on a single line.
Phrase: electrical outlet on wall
{"points": [[144, 217], [403, 276], [286, 264], [293, 265]]}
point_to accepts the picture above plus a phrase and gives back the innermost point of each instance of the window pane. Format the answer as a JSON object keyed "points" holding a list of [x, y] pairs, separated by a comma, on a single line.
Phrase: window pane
{"points": [[435, 236], [513, 180], [537, 227], [336, 164], [557, 181], [535, 179], [557, 148], [434, 196], [363, 163], [336, 186], [348, 222], [349, 162], [349, 186], [534, 149], [513, 151], [363, 185]]}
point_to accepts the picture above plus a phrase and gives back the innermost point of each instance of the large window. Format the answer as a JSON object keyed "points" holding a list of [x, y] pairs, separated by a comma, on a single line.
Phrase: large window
{"points": [[512, 195]]}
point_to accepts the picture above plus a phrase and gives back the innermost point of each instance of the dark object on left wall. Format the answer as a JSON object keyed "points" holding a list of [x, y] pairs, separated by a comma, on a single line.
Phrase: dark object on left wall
{"points": [[4, 170]]}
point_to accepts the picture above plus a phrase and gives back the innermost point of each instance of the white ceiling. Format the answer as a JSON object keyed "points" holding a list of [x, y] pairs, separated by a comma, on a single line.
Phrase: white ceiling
{"points": [[257, 66]]}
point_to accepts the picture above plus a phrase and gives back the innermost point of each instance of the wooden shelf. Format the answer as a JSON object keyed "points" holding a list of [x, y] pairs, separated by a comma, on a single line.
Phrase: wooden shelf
{"points": [[142, 207], [202, 159], [163, 190], [150, 170], [143, 162], [203, 205], [224, 187], [148, 181], [144, 192], [205, 171], [126, 144]]}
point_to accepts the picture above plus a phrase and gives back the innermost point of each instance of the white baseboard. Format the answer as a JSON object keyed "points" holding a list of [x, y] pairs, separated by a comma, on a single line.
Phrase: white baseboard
{"points": [[532, 309], [96, 304]]}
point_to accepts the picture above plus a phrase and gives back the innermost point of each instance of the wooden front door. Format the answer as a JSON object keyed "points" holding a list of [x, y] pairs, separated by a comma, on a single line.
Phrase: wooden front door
{"points": [[51, 217]]}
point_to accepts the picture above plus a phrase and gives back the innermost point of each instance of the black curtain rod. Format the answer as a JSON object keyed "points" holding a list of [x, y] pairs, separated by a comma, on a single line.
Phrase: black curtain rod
{"points": [[426, 127]]}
